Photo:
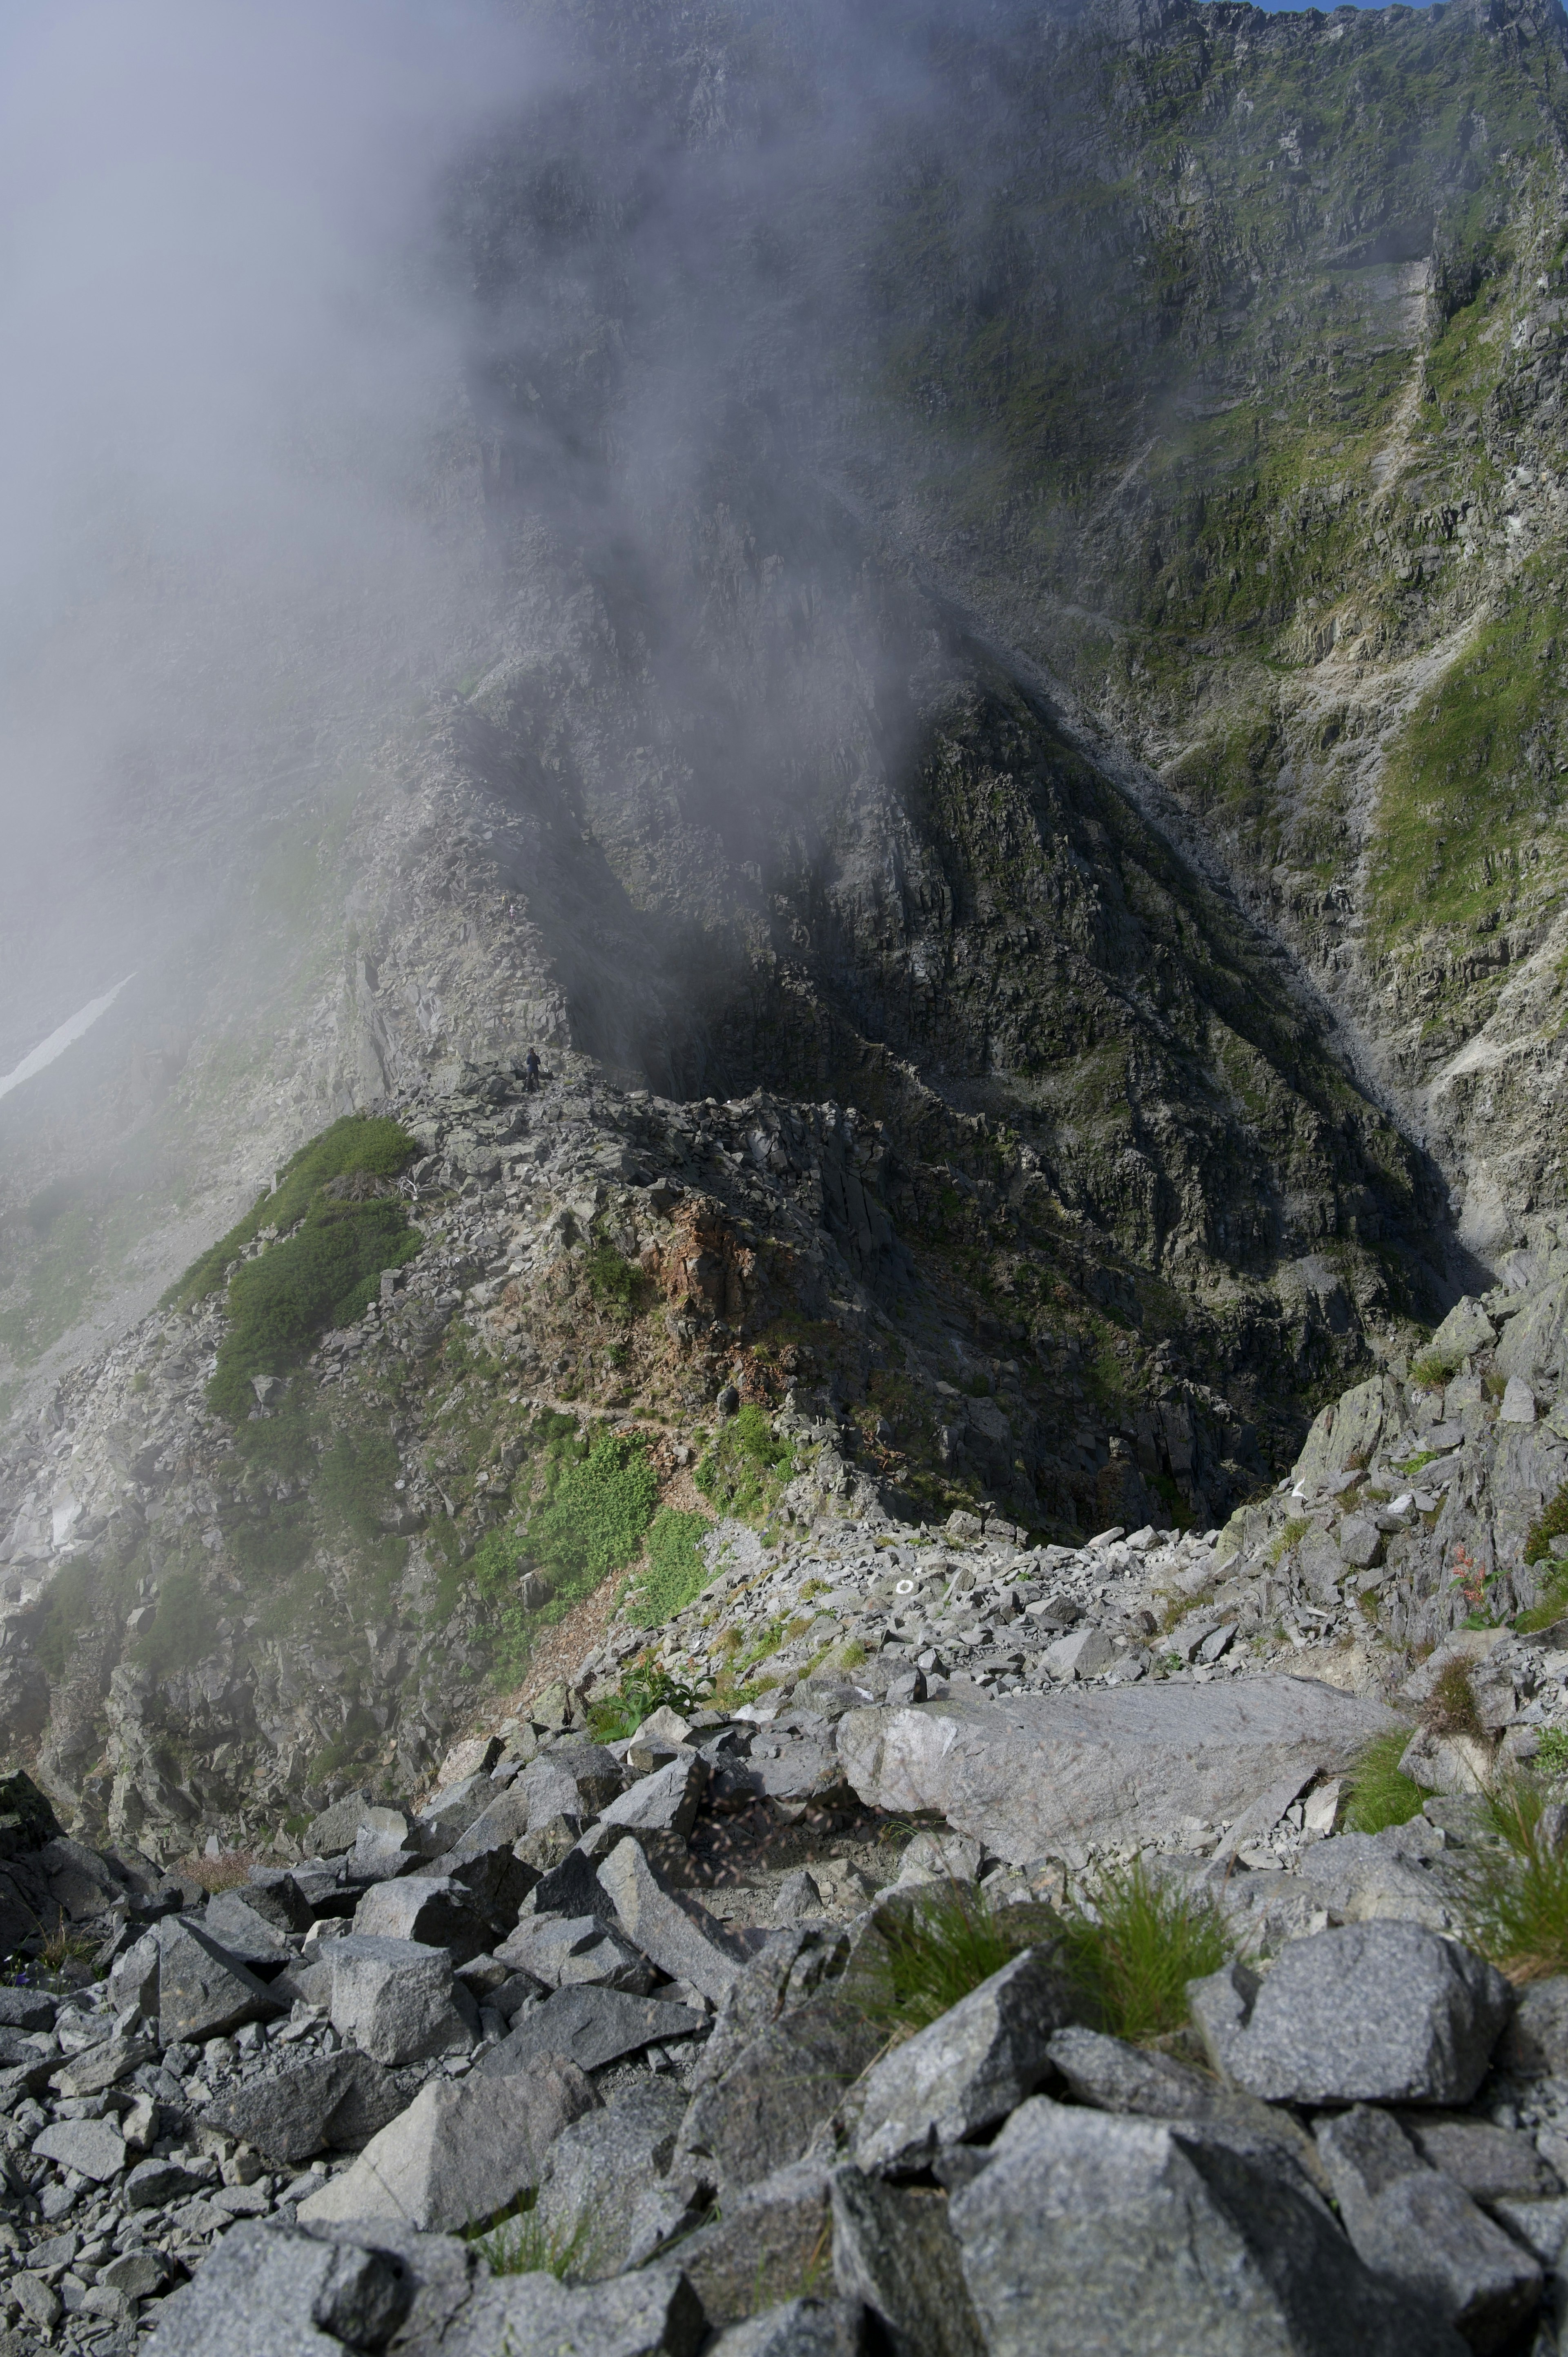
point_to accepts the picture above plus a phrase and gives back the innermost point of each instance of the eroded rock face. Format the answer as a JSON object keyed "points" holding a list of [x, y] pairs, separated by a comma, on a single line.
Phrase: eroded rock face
{"points": [[1034, 1776]]}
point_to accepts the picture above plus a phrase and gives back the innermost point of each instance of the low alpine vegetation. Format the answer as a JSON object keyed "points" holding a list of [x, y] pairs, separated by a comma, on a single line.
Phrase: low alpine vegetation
{"points": [[1378, 1793], [1517, 1897], [1132, 1947]]}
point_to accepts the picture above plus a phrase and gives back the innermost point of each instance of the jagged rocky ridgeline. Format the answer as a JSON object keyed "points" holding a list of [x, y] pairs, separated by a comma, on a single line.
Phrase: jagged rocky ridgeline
{"points": [[627, 1993]]}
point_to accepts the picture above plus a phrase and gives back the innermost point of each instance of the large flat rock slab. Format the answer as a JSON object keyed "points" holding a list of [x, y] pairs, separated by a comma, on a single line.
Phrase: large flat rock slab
{"points": [[1038, 1775]]}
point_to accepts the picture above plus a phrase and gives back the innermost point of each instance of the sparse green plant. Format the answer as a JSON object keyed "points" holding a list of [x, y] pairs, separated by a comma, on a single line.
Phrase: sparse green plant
{"points": [[747, 1467], [1514, 1900], [1433, 1369], [521, 2243], [945, 1942], [1378, 1793], [615, 1282], [642, 1691], [1450, 1707], [598, 1503], [1294, 1531], [1550, 1523], [1551, 1757], [1134, 1945], [677, 1570]]}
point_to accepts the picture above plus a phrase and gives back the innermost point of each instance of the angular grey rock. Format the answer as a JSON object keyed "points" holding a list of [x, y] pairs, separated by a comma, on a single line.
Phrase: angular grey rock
{"points": [[574, 1951], [139, 2274], [683, 1941], [1491, 2163], [572, 1779], [665, 1803], [298, 2109], [591, 2027], [1090, 2232], [133, 1978], [277, 1898], [334, 1830], [272, 2292], [462, 2149], [1116, 2077], [1535, 1343], [1418, 2228], [152, 2183], [1038, 1775], [593, 2167], [430, 1908], [772, 2240], [801, 2327], [102, 2066], [1518, 1403], [572, 1888], [26, 2009], [1368, 2013], [396, 1999], [203, 1992], [1535, 2043], [761, 2101], [1466, 1327], [450, 1814], [494, 1881], [653, 2312], [968, 2070], [1400, 1873], [503, 1819], [92, 2148], [1360, 1542], [240, 1931], [894, 2249]]}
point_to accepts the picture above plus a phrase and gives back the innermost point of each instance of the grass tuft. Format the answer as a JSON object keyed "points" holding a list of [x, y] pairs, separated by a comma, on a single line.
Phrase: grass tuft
{"points": [[1515, 1905], [677, 1571], [950, 1941], [1133, 1950], [1450, 1708], [1378, 1793], [1552, 1524], [521, 2243]]}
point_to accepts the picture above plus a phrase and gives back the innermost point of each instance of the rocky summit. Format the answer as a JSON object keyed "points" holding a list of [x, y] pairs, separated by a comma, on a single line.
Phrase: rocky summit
{"points": [[783, 1240]]}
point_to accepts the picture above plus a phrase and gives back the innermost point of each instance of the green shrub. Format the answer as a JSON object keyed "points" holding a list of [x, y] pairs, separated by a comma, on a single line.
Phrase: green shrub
{"points": [[746, 1466], [642, 1691], [72, 1600], [1551, 1759], [1134, 1949], [270, 1545], [1378, 1793], [356, 1146], [676, 1570], [595, 1513], [1550, 1523], [1451, 1708], [184, 1629], [616, 1283], [323, 1274], [355, 1484], [1435, 1368]]}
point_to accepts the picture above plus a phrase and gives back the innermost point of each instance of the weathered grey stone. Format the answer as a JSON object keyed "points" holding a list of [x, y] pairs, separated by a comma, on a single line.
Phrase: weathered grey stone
{"points": [[334, 1830], [102, 2066], [1518, 1403], [240, 1931], [967, 2070], [591, 2027], [801, 2327], [273, 2292], [38, 2300], [1535, 1344], [430, 1908], [94, 2148], [894, 2250], [574, 1951], [1420, 2230], [1367, 2012], [1400, 1873], [762, 2100], [476, 1755], [451, 1813], [1360, 1542], [203, 1992], [300, 2108], [1535, 2043], [665, 1803], [573, 1779], [1036, 1775], [1466, 1329], [462, 2150], [396, 2000], [504, 1819], [26, 2009], [594, 2167], [277, 1898], [152, 2183], [651, 2313], [683, 1941], [1490, 2163], [1090, 2232], [1117, 2077], [773, 2240], [138, 2274]]}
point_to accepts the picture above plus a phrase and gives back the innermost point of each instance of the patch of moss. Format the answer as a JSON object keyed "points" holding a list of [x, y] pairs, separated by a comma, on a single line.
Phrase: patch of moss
{"points": [[325, 1274]]}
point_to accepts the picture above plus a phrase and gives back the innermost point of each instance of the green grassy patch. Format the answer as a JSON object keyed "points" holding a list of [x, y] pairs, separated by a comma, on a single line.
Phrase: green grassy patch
{"points": [[1514, 1901], [1550, 1523], [616, 1283], [1133, 1948], [184, 1629], [1377, 1792], [676, 1569], [596, 1508], [642, 1691], [325, 1274], [356, 1147], [947, 1942], [747, 1467]]}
